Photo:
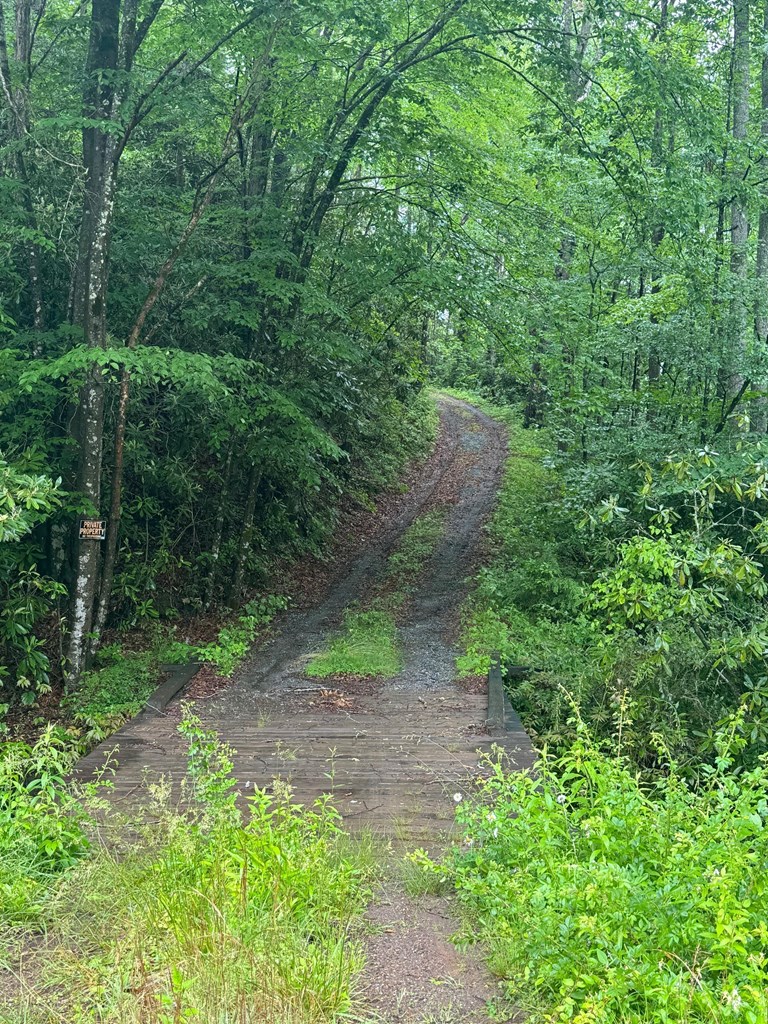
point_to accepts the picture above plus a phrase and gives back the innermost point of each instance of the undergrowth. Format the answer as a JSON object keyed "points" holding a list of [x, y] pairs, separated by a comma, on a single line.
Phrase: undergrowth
{"points": [[527, 601], [43, 827], [235, 637], [118, 685], [606, 901], [224, 912]]}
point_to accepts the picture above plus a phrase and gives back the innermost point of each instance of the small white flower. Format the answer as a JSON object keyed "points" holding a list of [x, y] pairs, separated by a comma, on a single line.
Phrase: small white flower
{"points": [[495, 833], [733, 1000], [490, 816], [457, 798], [561, 798]]}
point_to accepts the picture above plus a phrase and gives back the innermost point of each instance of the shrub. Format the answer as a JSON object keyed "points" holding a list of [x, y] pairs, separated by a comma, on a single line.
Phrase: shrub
{"points": [[391, 433], [42, 826], [26, 596], [234, 639], [606, 901]]}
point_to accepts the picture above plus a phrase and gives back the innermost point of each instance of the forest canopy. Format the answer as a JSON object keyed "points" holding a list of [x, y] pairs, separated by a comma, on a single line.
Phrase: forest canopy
{"points": [[239, 239]]}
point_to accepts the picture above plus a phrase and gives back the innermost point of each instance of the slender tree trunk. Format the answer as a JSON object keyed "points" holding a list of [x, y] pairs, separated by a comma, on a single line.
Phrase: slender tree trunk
{"points": [[659, 230], [90, 310], [761, 272], [15, 91], [218, 532], [246, 535], [739, 220], [761, 266]]}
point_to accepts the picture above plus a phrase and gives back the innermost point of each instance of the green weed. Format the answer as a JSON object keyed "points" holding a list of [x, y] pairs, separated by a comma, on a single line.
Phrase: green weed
{"points": [[416, 546], [222, 913], [118, 686], [418, 878], [235, 639], [604, 901], [42, 826], [366, 647]]}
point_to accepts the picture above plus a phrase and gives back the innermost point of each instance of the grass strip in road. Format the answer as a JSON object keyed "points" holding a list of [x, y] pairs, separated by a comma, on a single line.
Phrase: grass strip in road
{"points": [[416, 546], [368, 645]]}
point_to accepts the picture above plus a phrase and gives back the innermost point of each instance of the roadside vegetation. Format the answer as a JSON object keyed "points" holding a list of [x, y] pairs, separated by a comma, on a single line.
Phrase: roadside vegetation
{"points": [[220, 911], [527, 600], [602, 898], [619, 881]]}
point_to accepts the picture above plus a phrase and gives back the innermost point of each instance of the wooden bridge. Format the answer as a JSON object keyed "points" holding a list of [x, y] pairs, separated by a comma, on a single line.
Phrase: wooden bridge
{"points": [[393, 753], [393, 762]]}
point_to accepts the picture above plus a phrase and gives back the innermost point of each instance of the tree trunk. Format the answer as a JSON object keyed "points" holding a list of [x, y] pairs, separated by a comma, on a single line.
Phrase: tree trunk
{"points": [[659, 230], [218, 532], [15, 90], [761, 271], [739, 221], [90, 310], [246, 535], [761, 267]]}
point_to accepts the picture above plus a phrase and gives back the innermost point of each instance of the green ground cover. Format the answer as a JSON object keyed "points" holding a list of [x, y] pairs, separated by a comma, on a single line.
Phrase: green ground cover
{"points": [[368, 643], [219, 913]]}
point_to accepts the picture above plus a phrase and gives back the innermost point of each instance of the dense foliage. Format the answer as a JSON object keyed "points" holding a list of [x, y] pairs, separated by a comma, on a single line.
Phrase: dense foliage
{"points": [[604, 901], [207, 297], [43, 828], [236, 244]]}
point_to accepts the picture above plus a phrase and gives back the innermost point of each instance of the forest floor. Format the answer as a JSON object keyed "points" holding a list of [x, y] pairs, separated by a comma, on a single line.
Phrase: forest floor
{"points": [[395, 753]]}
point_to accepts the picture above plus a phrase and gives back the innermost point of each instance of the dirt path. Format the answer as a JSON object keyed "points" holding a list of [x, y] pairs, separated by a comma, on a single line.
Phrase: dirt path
{"points": [[465, 477], [421, 721], [393, 752], [414, 972]]}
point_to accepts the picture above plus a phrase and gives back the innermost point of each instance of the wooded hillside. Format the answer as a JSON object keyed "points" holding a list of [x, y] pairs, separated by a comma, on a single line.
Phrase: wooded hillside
{"points": [[235, 236]]}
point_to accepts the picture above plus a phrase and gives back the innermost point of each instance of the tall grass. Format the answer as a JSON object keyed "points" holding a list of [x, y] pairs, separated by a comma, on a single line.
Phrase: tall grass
{"points": [[222, 913]]}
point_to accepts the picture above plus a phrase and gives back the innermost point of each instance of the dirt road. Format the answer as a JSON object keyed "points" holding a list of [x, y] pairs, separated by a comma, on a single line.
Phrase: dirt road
{"points": [[393, 752]]}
